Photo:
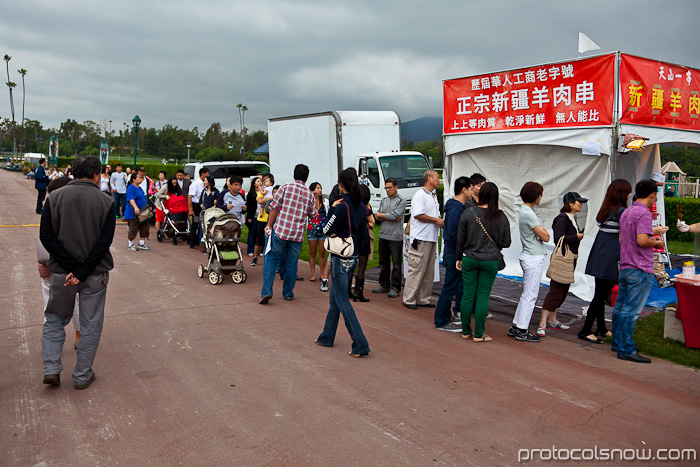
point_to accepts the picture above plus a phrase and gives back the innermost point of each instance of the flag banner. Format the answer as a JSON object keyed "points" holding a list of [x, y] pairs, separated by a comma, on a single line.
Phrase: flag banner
{"points": [[659, 94], [578, 93], [53, 150], [104, 152], [585, 44]]}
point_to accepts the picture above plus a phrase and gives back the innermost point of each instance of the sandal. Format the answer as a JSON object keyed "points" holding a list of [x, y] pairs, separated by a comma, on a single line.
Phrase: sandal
{"points": [[466, 336], [483, 338], [357, 355]]}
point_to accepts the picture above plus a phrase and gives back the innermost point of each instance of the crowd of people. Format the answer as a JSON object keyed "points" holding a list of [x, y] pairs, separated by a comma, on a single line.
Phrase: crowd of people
{"points": [[76, 262]]}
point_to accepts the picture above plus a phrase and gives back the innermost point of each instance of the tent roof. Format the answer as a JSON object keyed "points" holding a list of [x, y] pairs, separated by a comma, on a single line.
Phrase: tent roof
{"points": [[264, 149], [672, 168]]}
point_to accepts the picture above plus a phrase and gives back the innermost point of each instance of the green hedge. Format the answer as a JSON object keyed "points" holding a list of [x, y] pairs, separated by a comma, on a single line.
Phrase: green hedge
{"points": [[152, 169], [691, 215]]}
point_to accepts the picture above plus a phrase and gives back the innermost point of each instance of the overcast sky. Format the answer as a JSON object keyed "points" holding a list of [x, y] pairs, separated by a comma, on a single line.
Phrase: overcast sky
{"points": [[189, 63]]}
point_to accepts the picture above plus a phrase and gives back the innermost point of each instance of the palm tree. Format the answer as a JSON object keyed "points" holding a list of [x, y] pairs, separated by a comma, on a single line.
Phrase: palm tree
{"points": [[11, 85], [23, 73], [241, 116]]}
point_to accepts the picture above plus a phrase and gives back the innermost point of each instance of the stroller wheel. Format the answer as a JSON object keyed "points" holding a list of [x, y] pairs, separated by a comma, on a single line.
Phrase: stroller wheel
{"points": [[237, 277], [221, 277], [175, 240], [159, 235], [213, 278], [245, 276], [200, 271]]}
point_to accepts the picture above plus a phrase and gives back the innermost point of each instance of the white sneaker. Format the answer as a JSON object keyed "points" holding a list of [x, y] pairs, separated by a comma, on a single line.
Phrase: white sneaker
{"points": [[144, 247], [133, 248], [557, 325], [541, 330]]}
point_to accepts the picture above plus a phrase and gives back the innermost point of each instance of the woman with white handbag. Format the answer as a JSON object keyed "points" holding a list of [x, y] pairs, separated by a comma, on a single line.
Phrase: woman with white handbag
{"points": [[346, 228], [563, 261]]}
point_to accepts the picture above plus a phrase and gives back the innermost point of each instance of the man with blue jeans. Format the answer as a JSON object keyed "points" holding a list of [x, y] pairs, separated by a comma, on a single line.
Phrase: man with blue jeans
{"points": [[636, 269], [452, 287], [291, 206]]}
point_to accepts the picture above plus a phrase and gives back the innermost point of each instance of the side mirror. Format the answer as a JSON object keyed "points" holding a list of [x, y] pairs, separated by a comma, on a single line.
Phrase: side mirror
{"points": [[430, 161], [363, 168]]}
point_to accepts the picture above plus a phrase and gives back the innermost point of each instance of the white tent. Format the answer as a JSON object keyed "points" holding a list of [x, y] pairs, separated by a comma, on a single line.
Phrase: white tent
{"points": [[559, 159]]}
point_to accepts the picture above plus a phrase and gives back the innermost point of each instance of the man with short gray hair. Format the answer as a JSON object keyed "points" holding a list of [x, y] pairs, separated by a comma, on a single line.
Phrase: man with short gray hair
{"points": [[425, 228], [77, 229], [390, 218]]}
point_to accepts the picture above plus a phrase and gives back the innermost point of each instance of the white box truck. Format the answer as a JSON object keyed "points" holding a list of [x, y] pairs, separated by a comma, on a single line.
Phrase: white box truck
{"points": [[329, 142]]}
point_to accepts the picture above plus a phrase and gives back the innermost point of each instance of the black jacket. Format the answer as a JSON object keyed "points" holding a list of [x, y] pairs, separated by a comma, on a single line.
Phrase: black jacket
{"points": [[337, 222], [563, 226]]}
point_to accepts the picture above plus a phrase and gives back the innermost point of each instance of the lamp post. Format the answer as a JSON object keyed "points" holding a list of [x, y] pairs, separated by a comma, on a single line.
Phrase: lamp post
{"points": [[189, 145], [230, 147], [137, 123], [41, 145]]}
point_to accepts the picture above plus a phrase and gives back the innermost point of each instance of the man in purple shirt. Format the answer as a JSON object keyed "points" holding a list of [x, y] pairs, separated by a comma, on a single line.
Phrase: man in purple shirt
{"points": [[636, 269]]}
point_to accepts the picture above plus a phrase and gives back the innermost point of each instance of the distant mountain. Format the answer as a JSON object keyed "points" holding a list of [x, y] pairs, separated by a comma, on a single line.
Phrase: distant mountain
{"points": [[422, 129]]}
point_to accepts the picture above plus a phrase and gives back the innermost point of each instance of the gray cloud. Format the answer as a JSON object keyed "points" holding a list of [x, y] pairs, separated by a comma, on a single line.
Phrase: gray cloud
{"points": [[189, 64]]}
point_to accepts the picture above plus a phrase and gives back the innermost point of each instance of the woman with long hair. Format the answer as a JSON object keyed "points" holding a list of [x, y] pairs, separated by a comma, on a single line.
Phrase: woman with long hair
{"points": [[533, 237], [483, 232], [104, 181], [315, 236], [365, 250], [604, 257], [252, 211], [564, 225], [347, 217]]}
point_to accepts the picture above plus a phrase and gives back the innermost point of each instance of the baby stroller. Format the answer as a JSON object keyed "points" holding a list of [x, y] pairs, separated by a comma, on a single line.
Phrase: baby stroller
{"points": [[176, 223], [222, 237]]}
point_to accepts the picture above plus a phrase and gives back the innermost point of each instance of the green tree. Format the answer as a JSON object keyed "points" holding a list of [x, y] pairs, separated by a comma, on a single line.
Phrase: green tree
{"points": [[214, 137]]}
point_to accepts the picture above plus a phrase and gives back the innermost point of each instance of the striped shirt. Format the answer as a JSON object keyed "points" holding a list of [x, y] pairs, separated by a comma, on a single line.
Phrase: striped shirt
{"points": [[294, 203]]}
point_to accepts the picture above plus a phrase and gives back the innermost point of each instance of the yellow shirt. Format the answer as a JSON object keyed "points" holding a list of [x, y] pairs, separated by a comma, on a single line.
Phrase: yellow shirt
{"points": [[262, 217]]}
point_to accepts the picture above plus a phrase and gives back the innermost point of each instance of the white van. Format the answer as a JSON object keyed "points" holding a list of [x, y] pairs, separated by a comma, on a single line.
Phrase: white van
{"points": [[221, 171]]}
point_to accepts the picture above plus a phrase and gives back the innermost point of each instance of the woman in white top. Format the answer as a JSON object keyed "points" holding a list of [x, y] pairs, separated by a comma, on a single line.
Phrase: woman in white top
{"points": [[533, 237], [104, 182]]}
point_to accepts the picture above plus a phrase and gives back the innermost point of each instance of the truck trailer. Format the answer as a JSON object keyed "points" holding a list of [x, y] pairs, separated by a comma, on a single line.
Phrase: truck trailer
{"points": [[329, 142]]}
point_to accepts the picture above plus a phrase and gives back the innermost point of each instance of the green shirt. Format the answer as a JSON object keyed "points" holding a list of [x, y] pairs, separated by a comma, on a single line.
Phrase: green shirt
{"points": [[532, 245]]}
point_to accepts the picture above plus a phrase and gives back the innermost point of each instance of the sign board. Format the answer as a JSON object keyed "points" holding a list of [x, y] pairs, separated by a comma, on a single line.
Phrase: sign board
{"points": [[578, 93], [659, 94], [104, 152], [53, 150]]}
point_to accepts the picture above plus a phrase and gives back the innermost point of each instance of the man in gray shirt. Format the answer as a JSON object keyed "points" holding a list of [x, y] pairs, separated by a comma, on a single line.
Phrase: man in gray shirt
{"points": [[77, 228], [390, 216]]}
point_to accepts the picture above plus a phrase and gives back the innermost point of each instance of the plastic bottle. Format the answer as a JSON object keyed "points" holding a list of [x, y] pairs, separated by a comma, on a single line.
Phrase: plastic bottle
{"points": [[688, 270]]}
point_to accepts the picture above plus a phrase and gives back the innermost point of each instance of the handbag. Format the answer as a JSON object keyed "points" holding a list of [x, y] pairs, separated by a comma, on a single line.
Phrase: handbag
{"points": [[561, 264], [145, 214], [501, 259], [340, 246]]}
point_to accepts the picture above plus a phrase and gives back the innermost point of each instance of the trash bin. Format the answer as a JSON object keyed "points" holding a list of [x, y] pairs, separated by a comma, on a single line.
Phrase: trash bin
{"points": [[688, 311]]}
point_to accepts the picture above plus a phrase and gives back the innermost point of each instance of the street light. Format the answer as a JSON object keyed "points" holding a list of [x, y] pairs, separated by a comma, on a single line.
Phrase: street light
{"points": [[230, 147], [189, 145], [41, 145], [137, 123]]}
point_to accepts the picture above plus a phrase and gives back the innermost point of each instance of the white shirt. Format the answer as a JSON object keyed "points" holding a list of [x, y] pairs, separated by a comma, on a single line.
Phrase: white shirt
{"points": [[144, 186], [196, 189], [424, 203]]}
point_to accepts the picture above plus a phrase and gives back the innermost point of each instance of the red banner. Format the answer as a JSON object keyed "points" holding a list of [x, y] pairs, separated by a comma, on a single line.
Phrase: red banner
{"points": [[579, 93], [659, 94]]}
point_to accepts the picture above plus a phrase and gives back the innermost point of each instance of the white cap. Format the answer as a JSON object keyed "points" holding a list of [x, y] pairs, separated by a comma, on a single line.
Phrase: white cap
{"points": [[657, 177]]}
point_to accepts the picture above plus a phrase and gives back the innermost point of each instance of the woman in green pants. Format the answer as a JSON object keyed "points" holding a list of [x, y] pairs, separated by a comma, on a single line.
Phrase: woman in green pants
{"points": [[483, 231]]}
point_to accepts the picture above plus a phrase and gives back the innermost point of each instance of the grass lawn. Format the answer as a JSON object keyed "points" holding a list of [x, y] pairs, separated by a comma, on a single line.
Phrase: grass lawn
{"points": [[681, 248], [649, 337], [304, 253]]}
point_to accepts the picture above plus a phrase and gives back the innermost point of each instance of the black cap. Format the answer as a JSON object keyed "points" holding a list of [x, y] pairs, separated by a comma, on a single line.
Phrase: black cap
{"points": [[573, 196]]}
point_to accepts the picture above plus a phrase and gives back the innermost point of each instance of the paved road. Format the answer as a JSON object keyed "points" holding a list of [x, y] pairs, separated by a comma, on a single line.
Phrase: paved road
{"points": [[195, 374]]}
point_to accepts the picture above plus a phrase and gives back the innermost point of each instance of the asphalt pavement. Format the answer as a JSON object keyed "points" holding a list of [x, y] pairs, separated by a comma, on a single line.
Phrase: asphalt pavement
{"points": [[190, 373]]}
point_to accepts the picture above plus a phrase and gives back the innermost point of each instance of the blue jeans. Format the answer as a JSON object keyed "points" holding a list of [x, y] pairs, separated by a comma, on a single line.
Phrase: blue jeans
{"points": [[341, 269], [251, 236], [120, 203], [634, 288], [451, 288], [281, 250]]}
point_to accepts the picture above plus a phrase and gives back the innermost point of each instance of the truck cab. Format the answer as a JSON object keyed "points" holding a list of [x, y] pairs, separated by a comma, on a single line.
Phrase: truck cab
{"points": [[407, 167]]}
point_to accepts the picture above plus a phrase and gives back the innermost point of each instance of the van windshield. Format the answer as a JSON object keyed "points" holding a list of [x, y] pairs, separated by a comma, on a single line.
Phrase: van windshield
{"points": [[407, 170]]}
